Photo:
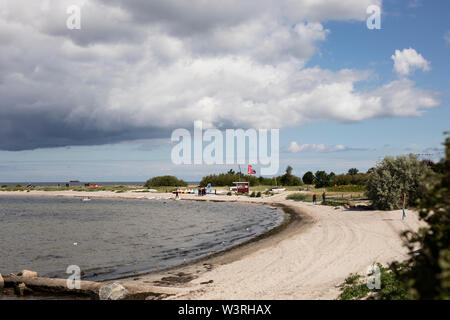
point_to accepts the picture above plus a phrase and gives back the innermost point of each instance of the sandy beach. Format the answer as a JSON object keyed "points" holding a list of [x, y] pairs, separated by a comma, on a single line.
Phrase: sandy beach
{"points": [[307, 258]]}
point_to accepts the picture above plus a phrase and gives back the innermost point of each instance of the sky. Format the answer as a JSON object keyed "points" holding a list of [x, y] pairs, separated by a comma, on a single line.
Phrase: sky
{"points": [[99, 103]]}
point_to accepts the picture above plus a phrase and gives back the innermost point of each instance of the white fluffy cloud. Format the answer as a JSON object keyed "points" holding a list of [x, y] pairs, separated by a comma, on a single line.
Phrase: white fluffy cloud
{"points": [[295, 148], [408, 60], [138, 69]]}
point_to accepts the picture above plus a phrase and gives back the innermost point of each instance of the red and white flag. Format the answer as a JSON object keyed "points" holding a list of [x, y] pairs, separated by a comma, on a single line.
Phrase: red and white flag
{"points": [[250, 170]]}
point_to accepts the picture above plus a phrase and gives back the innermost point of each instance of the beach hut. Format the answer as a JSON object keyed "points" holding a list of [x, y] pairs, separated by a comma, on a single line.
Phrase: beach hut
{"points": [[242, 187]]}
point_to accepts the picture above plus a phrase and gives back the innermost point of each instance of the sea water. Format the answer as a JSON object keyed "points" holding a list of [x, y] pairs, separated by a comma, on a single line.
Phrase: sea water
{"points": [[113, 238]]}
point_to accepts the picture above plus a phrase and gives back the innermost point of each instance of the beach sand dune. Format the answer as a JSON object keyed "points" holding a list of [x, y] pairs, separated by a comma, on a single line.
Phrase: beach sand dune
{"points": [[312, 262]]}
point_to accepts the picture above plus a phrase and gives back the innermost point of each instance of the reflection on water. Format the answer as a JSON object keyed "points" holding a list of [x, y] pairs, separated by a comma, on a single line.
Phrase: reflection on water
{"points": [[111, 238]]}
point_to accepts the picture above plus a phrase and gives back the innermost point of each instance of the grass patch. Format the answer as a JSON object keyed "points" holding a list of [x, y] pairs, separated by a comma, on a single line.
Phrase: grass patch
{"points": [[13, 188], [300, 197], [334, 203], [355, 287], [347, 188]]}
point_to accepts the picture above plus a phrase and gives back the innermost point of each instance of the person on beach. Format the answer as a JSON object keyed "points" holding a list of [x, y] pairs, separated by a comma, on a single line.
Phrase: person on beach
{"points": [[314, 198], [403, 205], [323, 196]]}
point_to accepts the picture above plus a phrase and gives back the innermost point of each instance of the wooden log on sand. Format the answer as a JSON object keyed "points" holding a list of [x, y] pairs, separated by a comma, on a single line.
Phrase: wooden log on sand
{"points": [[52, 285], [87, 288]]}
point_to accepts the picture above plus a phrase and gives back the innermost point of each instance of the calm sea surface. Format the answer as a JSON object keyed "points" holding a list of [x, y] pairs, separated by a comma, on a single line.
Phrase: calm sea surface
{"points": [[112, 238]]}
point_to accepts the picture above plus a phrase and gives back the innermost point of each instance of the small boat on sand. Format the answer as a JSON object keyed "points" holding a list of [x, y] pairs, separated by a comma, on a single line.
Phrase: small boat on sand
{"points": [[276, 189]]}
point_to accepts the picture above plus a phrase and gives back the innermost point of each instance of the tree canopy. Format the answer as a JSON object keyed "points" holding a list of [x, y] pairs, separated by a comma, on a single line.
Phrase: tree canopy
{"points": [[393, 177], [165, 181]]}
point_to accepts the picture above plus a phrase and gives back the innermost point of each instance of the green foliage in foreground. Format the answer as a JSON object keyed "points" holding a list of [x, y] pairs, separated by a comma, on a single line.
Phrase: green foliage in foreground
{"points": [[427, 273], [355, 287], [392, 177], [166, 181]]}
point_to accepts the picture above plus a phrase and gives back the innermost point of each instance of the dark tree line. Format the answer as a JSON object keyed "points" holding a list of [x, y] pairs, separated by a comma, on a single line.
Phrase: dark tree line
{"points": [[323, 179], [227, 179]]}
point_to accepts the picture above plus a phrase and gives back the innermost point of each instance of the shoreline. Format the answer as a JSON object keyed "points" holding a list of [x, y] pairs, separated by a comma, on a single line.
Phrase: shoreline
{"points": [[307, 257]]}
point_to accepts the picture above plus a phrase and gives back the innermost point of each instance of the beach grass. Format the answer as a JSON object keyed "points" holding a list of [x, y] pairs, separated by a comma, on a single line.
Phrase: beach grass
{"points": [[300, 197], [391, 288]]}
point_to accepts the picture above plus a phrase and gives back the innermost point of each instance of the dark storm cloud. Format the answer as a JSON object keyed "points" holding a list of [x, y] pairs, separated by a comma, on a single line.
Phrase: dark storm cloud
{"points": [[23, 132], [139, 69]]}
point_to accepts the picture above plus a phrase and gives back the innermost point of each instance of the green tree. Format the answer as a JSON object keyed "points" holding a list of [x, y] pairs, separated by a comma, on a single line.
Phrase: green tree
{"points": [[288, 179], [393, 177], [321, 179], [308, 178], [165, 181], [353, 171], [227, 179]]}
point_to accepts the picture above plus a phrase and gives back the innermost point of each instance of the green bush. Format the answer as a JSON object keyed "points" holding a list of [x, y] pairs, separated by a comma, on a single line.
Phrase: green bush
{"points": [[258, 195], [392, 177], [322, 179], [165, 181], [427, 273], [288, 179], [308, 178], [334, 203], [355, 287], [253, 194]]}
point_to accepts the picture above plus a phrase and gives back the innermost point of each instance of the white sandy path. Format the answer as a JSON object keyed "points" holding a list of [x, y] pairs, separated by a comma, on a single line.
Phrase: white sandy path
{"points": [[312, 263]]}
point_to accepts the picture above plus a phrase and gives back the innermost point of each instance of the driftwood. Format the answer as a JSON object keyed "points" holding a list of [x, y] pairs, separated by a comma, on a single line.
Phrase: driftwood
{"points": [[87, 288], [51, 285]]}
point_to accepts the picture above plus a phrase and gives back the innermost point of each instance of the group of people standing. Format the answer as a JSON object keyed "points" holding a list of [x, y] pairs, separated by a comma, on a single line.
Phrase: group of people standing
{"points": [[202, 191], [315, 197]]}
